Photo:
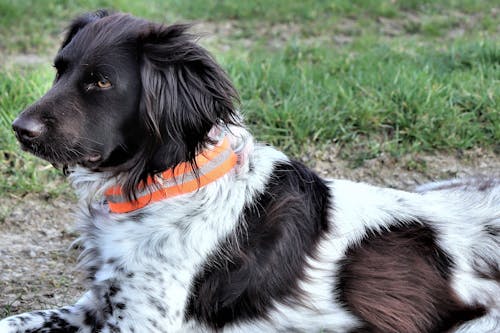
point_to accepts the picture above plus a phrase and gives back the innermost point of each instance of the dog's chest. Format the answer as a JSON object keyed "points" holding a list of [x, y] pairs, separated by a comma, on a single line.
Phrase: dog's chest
{"points": [[142, 265]]}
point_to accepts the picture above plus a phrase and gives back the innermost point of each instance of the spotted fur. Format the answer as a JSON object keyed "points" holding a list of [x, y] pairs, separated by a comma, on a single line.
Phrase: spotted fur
{"points": [[268, 247]]}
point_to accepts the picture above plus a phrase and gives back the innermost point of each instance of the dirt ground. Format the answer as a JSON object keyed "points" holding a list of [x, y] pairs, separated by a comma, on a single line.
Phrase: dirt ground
{"points": [[37, 264]]}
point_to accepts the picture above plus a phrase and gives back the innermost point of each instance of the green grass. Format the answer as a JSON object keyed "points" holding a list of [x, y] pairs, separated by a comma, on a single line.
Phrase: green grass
{"points": [[410, 76], [384, 99], [20, 172], [27, 25]]}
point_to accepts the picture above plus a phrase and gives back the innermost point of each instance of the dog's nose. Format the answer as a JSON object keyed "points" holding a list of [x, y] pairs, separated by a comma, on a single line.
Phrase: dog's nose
{"points": [[27, 128]]}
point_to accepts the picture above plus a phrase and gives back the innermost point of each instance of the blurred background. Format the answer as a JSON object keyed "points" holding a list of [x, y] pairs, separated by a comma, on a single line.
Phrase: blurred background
{"points": [[393, 92]]}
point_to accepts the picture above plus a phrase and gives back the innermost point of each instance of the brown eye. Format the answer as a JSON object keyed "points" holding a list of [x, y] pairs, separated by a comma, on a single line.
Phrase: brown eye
{"points": [[103, 83]]}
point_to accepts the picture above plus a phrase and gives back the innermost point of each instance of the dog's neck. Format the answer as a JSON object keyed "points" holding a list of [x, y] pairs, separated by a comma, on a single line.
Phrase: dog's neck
{"points": [[211, 164], [229, 154]]}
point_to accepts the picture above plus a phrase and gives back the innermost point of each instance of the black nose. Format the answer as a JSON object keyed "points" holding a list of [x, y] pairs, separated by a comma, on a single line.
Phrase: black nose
{"points": [[27, 128]]}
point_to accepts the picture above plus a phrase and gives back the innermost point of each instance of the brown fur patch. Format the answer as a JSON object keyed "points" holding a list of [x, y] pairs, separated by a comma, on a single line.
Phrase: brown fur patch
{"points": [[397, 281]]}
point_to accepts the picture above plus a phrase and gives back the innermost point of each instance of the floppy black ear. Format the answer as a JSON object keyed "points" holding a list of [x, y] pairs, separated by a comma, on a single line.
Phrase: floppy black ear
{"points": [[80, 22], [185, 93]]}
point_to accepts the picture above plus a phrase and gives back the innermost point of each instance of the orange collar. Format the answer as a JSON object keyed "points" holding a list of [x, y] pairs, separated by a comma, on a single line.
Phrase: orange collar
{"points": [[211, 164]]}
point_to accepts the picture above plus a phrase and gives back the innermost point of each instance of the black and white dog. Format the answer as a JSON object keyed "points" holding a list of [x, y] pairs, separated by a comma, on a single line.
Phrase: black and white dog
{"points": [[188, 225]]}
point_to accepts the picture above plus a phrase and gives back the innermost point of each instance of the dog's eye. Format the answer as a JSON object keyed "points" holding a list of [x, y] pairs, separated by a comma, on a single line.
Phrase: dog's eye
{"points": [[59, 73], [60, 65], [103, 83]]}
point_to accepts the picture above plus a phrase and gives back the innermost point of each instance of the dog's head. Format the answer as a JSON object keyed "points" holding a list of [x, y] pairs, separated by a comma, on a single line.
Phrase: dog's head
{"points": [[129, 96]]}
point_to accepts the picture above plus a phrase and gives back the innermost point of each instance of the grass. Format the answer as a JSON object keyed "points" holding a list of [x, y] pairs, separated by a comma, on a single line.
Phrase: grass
{"points": [[369, 76], [22, 172], [386, 98]]}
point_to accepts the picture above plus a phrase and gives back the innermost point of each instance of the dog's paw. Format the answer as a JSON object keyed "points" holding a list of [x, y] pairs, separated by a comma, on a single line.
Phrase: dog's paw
{"points": [[50, 321], [6, 327], [19, 324]]}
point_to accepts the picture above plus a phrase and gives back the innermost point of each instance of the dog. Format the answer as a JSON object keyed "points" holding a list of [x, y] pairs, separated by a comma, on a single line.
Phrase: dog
{"points": [[188, 225]]}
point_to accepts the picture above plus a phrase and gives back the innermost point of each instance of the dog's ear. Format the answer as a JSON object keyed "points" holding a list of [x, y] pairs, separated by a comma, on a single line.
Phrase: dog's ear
{"points": [[185, 93], [80, 22]]}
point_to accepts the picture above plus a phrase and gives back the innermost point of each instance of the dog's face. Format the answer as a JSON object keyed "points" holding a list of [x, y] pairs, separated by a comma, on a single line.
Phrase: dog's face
{"points": [[129, 95], [89, 116]]}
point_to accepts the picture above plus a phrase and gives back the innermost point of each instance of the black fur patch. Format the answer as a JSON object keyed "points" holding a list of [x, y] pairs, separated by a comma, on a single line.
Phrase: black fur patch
{"points": [[55, 324], [265, 258]]}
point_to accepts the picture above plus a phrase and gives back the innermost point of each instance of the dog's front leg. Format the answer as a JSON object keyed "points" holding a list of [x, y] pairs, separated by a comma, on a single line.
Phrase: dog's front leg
{"points": [[83, 317]]}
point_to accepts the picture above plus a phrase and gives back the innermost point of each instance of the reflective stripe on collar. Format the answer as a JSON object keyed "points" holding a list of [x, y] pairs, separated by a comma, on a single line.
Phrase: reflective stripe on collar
{"points": [[212, 164]]}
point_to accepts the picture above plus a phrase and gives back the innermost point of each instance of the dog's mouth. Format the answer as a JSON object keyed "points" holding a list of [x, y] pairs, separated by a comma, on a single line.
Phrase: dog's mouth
{"points": [[93, 158], [63, 158], [64, 154], [46, 141], [91, 162]]}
